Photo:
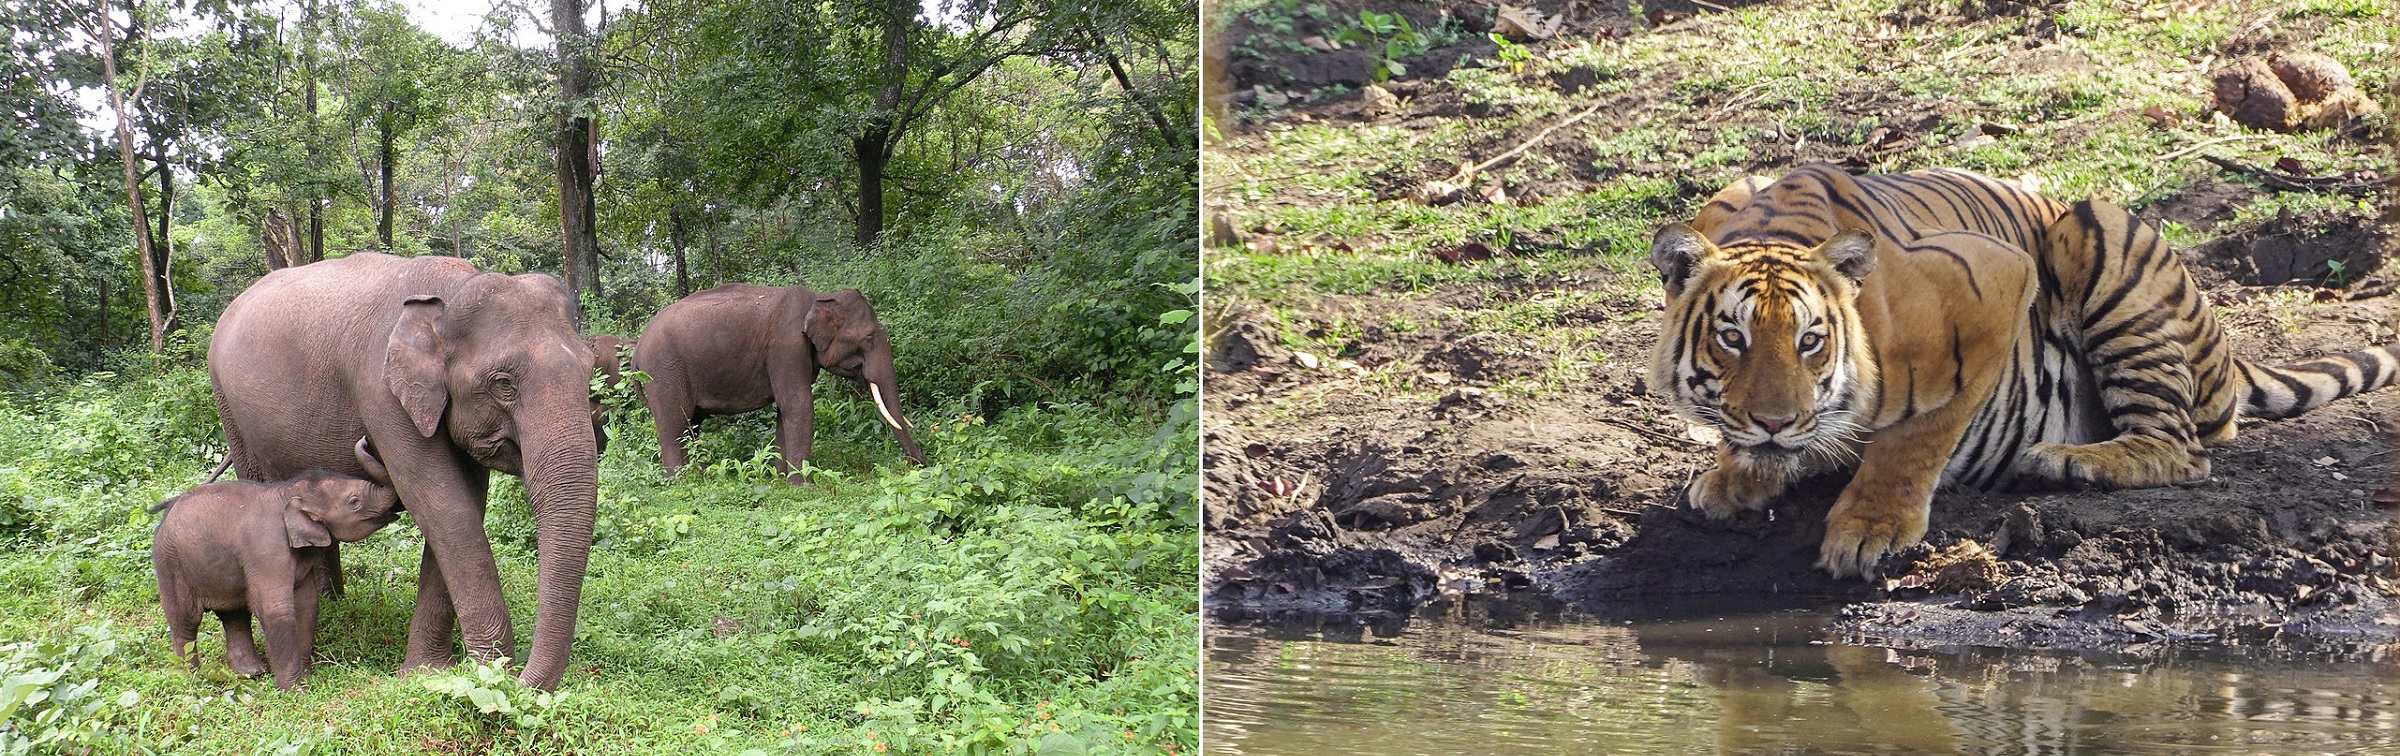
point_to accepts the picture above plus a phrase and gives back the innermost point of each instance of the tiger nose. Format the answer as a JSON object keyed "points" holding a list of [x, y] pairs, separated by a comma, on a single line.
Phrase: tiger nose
{"points": [[1772, 423]]}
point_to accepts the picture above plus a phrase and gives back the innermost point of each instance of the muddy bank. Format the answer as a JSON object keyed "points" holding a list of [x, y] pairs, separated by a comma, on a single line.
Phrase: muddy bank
{"points": [[1412, 466]]}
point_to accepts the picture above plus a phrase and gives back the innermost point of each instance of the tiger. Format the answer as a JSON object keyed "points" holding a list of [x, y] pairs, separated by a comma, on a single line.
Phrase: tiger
{"points": [[1941, 327]]}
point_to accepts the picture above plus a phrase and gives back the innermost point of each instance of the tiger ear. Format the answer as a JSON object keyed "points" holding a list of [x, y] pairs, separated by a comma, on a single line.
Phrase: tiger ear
{"points": [[1674, 250], [1852, 253]]}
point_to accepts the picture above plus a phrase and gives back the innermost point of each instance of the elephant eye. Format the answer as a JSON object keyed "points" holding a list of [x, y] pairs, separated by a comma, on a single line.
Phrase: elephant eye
{"points": [[504, 388]]}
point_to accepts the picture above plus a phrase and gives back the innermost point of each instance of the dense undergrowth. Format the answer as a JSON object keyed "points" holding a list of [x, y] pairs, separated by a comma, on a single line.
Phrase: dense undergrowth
{"points": [[1029, 591]]}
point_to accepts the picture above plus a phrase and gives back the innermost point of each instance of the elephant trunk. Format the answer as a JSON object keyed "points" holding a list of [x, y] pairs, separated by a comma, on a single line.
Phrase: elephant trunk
{"points": [[563, 483], [886, 390]]}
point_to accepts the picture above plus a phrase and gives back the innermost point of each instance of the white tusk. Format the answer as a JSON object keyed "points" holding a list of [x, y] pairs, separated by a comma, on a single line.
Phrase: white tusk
{"points": [[881, 407]]}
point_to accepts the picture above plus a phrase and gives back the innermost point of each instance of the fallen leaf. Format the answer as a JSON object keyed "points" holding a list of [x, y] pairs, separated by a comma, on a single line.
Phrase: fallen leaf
{"points": [[1436, 193], [1998, 129], [1972, 141], [1521, 25], [1317, 43], [1464, 253], [1254, 450], [1264, 245], [2325, 461], [1546, 543], [1306, 360], [2160, 115], [2291, 165], [1494, 193]]}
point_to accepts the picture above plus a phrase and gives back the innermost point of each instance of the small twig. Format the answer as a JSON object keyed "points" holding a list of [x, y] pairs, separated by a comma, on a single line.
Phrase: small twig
{"points": [[1713, 6], [1469, 172], [2291, 183], [2210, 143], [1628, 425]]}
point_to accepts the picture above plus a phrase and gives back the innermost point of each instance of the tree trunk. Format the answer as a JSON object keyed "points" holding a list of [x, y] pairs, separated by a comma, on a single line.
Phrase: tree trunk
{"points": [[675, 242], [576, 214], [133, 185], [1116, 69], [274, 238], [458, 241], [716, 258], [389, 155], [316, 195], [873, 147], [162, 247], [873, 151]]}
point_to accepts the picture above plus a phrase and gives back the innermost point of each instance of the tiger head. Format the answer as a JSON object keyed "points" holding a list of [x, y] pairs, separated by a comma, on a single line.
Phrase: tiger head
{"points": [[1763, 341]]}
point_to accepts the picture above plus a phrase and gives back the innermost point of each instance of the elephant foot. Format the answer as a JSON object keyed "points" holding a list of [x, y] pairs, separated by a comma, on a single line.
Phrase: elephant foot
{"points": [[245, 665], [426, 663]]}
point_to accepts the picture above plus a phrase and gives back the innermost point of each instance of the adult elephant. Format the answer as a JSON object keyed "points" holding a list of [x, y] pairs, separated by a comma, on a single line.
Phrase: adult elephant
{"points": [[451, 373], [740, 347]]}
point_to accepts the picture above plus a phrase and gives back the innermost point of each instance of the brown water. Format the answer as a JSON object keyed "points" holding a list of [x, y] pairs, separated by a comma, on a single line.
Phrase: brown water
{"points": [[1498, 679]]}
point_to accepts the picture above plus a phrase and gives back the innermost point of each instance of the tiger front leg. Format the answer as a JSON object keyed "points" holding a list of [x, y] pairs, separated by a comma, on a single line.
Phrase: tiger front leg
{"points": [[1888, 502], [1738, 484]]}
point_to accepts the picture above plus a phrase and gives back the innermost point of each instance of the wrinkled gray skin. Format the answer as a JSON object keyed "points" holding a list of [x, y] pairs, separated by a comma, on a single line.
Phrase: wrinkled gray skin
{"points": [[240, 548], [452, 373], [739, 347]]}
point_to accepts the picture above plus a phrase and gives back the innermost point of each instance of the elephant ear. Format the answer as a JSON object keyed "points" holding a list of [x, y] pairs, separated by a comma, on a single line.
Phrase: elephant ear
{"points": [[301, 530], [824, 323], [412, 364]]}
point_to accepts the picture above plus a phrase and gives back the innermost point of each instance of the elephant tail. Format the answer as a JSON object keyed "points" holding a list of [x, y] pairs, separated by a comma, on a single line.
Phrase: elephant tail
{"points": [[212, 475], [162, 506]]}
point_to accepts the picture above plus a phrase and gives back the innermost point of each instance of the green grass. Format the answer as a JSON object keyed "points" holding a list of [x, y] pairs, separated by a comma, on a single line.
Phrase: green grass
{"points": [[1030, 590]]}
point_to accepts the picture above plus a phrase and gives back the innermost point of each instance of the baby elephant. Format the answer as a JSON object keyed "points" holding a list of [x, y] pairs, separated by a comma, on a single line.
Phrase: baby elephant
{"points": [[239, 547]]}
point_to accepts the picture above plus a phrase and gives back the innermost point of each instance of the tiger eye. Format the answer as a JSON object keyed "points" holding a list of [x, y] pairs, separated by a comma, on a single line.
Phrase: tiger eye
{"points": [[1732, 339]]}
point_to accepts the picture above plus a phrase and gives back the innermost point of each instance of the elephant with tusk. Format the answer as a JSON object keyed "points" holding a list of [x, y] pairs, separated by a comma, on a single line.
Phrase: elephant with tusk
{"points": [[740, 347]]}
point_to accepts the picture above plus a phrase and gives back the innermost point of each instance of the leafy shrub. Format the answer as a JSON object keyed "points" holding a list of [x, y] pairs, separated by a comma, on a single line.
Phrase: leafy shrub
{"points": [[500, 701], [50, 698]]}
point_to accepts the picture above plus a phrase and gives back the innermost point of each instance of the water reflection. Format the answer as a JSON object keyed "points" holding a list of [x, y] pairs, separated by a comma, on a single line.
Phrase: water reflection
{"points": [[1503, 678]]}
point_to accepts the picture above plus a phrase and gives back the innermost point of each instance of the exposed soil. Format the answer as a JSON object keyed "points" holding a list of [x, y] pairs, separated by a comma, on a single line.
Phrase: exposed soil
{"points": [[1329, 492]]}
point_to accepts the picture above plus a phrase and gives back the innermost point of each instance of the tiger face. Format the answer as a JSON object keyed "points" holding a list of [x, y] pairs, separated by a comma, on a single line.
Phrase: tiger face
{"points": [[1767, 345]]}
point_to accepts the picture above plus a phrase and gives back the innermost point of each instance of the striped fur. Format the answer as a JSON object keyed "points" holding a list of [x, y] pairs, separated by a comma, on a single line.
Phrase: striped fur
{"points": [[1975, 333]]}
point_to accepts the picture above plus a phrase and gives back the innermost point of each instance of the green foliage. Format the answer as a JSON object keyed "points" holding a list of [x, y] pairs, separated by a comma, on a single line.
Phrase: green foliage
{"points": [[1513, 55], [1388, 37], [51, 701], [492, 690]]}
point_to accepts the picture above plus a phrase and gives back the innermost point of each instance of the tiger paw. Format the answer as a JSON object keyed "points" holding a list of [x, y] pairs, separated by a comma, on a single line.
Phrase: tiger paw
{"points": [[1860, 531], [1721, 493], [2123, 462]]}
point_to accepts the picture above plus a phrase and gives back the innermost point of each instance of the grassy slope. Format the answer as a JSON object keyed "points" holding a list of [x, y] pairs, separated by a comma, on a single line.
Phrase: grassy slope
{"points": [[1014, 594], [1727, 95]]}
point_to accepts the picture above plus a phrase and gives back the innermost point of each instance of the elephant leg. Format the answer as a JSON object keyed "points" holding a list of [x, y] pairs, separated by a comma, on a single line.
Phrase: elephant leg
{"points": [[458, 581], [183, 617], [241, 650], [429, 629], [795, 430], [272, 597], [671, 407]]}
